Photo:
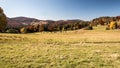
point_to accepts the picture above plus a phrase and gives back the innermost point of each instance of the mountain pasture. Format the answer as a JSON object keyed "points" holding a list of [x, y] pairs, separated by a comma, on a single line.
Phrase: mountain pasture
{"points": [[98, 48]]}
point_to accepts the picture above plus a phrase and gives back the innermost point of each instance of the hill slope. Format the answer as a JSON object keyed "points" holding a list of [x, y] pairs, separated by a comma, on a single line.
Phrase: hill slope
{"points": [[20, 21]]}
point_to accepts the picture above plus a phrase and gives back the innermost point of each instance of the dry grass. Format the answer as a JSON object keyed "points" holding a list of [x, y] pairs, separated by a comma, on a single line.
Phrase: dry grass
{"points": [[71, 49]]}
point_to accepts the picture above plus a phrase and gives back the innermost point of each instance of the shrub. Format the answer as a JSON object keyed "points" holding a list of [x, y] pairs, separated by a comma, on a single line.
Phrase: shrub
{"points": [[118, 26], [88, 28], [107, 28], [23, 30], [12, 31]]}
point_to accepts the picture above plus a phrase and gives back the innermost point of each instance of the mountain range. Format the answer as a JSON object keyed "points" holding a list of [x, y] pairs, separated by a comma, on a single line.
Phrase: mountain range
{"points": [[20, 21]]}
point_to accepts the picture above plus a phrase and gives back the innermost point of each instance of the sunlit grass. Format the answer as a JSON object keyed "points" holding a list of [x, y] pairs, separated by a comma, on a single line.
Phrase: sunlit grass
{"points": [[70, 49]]}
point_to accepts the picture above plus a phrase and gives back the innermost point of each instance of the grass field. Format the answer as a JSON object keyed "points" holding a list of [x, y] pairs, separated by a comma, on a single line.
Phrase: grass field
{"points": [[98, 48]]}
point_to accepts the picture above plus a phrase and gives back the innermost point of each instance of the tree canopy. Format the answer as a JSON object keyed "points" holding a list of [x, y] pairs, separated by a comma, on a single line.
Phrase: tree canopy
{"points": [[3, 20]]}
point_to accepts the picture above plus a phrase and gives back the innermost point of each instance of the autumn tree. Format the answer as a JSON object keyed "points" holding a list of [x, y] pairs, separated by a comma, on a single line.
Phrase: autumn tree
{"points": [[3, 20], [113, 25], [23, 30], [42, 27]]}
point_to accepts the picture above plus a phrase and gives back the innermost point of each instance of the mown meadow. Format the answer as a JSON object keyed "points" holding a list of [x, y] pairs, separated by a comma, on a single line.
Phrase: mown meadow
{"points": [[98, 48]]}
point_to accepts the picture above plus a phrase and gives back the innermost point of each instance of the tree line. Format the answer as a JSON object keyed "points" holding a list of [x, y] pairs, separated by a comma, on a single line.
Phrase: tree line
{"points": [[54, 26], [110, 22]]}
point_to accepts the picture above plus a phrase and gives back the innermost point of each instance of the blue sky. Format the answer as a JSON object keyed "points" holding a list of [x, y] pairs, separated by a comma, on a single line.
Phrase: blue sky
{"points": [[61, 9]]}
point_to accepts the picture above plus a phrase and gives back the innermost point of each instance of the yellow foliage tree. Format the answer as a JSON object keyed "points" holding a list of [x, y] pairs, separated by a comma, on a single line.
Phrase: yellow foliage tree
{"points": [[23, 30], [113, 25]]}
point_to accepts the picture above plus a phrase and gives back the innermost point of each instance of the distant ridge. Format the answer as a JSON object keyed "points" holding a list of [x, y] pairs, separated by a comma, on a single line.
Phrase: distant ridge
{"points": [[20, 21]]}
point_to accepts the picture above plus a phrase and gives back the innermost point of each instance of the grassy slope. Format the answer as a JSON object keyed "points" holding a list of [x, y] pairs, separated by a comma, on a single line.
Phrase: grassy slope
{"points": [[71, 49]]}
